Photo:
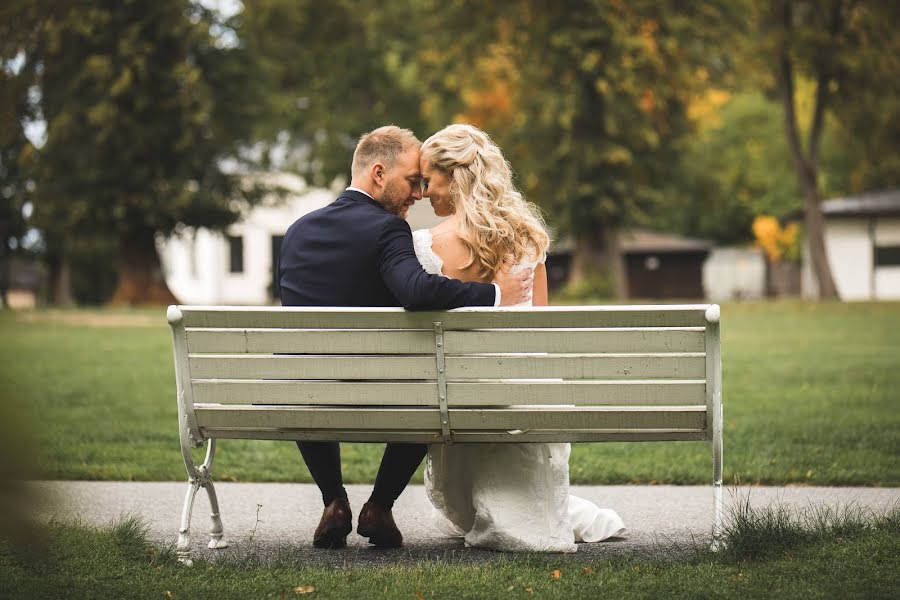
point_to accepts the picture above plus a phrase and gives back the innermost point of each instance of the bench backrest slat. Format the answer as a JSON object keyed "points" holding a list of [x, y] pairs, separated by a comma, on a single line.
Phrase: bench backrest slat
{"points": [[377, 341], [692, 315], [305, 341], [462, 367], [460, 394], [575, 340]]}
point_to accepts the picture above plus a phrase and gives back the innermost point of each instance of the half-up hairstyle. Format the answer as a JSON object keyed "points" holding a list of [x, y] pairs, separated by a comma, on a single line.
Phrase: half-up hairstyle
{"points": [[494, 218]]}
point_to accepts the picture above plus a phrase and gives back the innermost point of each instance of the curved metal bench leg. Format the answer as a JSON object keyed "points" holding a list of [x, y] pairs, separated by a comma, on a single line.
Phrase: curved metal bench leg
{"points": [[183, 546], [199, 477], [216, 532]]}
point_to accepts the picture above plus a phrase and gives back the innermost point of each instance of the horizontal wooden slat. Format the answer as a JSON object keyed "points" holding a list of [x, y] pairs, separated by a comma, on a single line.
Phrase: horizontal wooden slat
{"points": [[580, 393], [434, 436], [298, 341], [578, 366], [315, 392], [542, 366], [573, 340], [487, 393], [366, 341], [293, 417], [464, 318], [582, 417], [398, 419], [264, 366]]}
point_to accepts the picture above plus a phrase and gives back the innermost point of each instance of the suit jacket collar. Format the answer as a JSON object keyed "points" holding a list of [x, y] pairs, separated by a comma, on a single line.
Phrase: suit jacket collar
{"points": [[360, 197]]}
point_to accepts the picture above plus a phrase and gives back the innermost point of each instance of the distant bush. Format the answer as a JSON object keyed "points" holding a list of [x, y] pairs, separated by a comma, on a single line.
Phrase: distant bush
{"points": [[593, 287], [94, 274]]}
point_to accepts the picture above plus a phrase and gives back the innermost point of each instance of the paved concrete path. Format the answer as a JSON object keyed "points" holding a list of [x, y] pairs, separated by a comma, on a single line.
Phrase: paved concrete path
{"points": [[279, 517]]}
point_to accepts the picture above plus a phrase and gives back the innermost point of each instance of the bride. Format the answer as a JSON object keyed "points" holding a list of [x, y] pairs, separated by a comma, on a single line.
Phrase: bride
{"points": [[505, 496]]}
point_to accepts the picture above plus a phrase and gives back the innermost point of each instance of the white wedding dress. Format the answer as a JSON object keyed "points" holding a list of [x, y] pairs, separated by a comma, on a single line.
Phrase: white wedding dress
{"points": [[510, 496]]}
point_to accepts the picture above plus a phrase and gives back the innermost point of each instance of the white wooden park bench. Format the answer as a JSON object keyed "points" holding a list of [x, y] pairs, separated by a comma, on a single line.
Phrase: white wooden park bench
{"points": [[545, 374]]}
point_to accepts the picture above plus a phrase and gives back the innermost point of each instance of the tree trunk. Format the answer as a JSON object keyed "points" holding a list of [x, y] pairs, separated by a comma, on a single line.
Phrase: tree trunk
{"points": [[814, 222], [5, 282], [141, 280], [807, 167], [597, 254], [59, 279]]}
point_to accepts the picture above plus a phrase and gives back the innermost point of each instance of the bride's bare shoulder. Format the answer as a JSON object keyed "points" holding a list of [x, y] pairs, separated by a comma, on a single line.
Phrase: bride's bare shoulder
{"points": [[445, 242], [445, 239]]}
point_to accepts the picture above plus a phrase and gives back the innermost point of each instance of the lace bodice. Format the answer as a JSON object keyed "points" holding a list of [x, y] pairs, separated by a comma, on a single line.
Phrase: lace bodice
{"points": [[432, 263]]}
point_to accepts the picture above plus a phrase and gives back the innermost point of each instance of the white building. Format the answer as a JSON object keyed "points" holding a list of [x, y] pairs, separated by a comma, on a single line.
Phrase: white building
{"points": [[862, 239], [735, 273], [239, 266]]}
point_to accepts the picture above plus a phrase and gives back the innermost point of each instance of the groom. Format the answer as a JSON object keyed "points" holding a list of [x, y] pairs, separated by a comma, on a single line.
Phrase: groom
{"points": [[358, 251]]}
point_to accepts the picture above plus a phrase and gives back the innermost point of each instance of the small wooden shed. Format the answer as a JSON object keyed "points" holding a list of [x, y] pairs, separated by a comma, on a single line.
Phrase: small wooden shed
{"points": [[662, 265]]}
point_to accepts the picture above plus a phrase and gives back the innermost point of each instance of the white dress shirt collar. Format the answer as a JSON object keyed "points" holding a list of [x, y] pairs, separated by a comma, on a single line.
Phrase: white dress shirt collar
{"points": [[350, 188]]}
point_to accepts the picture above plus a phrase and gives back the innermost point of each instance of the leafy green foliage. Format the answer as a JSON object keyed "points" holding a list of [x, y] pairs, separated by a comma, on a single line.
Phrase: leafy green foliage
{"points": [[138, 115], [142, 107], [739, 167], [16, 155], [595, 96], [333, 66]]}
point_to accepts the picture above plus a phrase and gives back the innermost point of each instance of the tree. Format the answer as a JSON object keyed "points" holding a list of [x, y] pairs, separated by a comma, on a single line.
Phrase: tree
{"points": [[144, 106], [848, 49], [15, 152], [336, 74], [589, 100]]}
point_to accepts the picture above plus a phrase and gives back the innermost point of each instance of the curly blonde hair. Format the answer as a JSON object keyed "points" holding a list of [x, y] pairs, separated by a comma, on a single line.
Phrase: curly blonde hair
{"points": [[494, 218]]}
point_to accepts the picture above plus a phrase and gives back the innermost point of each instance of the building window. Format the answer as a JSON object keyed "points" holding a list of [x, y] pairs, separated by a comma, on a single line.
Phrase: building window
{"points": [[887, 256], [236, 253]]}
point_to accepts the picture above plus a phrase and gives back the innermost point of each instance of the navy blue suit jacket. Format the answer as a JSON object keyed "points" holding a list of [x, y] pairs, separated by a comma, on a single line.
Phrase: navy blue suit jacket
{"points": [[355, 253]]}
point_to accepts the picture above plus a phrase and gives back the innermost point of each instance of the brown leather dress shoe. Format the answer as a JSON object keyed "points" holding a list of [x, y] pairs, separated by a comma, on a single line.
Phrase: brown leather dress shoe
{"points": [[378, 525], [336, 523]]}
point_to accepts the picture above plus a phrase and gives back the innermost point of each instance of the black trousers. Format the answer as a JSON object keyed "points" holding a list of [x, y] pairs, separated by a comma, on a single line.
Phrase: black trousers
{"points": [[400, 461]]}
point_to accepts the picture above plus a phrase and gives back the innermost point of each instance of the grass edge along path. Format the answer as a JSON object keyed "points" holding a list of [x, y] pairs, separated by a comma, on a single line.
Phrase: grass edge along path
{"points": [[770, 553]]}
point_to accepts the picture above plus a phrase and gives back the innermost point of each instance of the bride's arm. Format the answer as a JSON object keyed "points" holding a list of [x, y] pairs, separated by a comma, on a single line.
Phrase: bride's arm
{"points": [[540, 286]]}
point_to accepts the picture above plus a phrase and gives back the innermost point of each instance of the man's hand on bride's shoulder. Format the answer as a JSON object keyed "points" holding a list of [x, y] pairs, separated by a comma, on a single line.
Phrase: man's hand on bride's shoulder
{"points": [[515, 288]]}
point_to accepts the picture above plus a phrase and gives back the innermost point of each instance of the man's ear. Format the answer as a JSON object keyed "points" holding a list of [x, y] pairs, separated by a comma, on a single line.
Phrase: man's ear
{"points": [[379, 173]]}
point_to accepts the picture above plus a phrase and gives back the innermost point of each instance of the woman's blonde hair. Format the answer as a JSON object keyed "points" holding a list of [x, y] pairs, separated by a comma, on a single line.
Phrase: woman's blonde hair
{"points": [[494, 219]]}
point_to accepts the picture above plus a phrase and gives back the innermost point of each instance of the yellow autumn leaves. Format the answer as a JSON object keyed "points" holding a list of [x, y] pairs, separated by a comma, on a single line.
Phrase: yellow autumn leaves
{"points": [[776, 241]]}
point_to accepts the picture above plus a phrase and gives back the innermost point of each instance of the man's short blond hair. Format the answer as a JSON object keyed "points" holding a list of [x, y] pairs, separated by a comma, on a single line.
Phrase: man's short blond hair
{"points": [[383, 145]]}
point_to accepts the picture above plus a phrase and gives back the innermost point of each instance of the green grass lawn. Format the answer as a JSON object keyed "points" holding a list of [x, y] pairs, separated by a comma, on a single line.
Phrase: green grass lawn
{"points": [[840, 557], [811, 395]]}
